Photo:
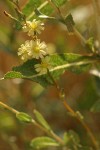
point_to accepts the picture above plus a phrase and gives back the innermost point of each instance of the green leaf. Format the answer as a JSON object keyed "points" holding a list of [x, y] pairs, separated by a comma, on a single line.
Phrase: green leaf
{"points": [[69, 22], [24, 117], [41, 120], [13, 74], [90, 43], [30, 6], [71, 138], [96, 107], [59, 3], [60, 63], [47, 9], [43, 142]]}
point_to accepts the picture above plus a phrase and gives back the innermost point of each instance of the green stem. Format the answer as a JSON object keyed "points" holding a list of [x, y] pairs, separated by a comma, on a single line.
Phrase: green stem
{"points": [[76, 32], [74, 114], [50, 133], [10, 16]]}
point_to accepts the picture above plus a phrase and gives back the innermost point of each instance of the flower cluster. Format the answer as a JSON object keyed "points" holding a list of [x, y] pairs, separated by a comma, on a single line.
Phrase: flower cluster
{"points": [[35, 48]]}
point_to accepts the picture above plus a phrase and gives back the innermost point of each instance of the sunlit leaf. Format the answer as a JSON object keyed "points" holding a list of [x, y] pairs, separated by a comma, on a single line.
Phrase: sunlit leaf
{"points": [[23, 117], [41, 120], [13, 74], [43, 142]]}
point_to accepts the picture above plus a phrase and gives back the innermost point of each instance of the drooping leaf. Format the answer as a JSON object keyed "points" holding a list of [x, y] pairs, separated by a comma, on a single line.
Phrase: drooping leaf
{"points": [[43, 142], [59, 3], [41, 120], [60, 63], [24, 117], [96, 107]]}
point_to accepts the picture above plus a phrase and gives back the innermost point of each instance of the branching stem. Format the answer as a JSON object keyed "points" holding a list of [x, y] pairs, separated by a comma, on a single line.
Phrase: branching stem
{"points": [[73, 113], [50, 133]]}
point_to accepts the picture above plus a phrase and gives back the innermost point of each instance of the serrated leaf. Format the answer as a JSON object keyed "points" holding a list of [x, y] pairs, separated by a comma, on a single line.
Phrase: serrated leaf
{"points": [[96, 107], [23, 117], [60, 63], [13, 74], [41, 120], [43, 142], [59, 3]]}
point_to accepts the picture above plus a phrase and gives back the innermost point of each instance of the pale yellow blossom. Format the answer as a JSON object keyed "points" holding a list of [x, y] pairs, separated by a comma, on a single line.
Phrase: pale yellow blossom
{"points": [[37, 49], [36, 26], [43, 66], [23, 51], [32, 49]]}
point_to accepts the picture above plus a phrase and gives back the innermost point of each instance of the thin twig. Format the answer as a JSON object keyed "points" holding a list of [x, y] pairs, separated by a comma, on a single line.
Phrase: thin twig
{"points": [[74, 114], [64, 102], [75, 31], [10, 16], [9, 108], [50, 133]]}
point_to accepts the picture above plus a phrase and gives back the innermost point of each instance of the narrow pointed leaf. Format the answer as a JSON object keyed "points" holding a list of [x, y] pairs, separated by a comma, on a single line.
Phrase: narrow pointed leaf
{"points": [[23, 117], [43, 142], [41, 120]]}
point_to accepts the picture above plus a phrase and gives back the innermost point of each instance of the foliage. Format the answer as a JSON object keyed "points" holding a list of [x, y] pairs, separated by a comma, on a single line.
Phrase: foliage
{"points": [[40, 66]]}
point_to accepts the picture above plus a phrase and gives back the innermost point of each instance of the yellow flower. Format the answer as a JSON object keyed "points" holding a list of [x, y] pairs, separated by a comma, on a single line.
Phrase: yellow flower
{"points": [[44, 66], [32, 27], [32, 49], [23, 51], [37, 49]]}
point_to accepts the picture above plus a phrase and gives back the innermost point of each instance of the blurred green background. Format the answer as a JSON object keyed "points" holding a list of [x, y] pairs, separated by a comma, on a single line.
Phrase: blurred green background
{"points": [[82, 90]]}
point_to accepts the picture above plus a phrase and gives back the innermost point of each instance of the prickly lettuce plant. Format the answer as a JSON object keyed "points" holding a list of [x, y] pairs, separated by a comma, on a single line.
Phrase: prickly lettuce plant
{"points": [[38, 65]]}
